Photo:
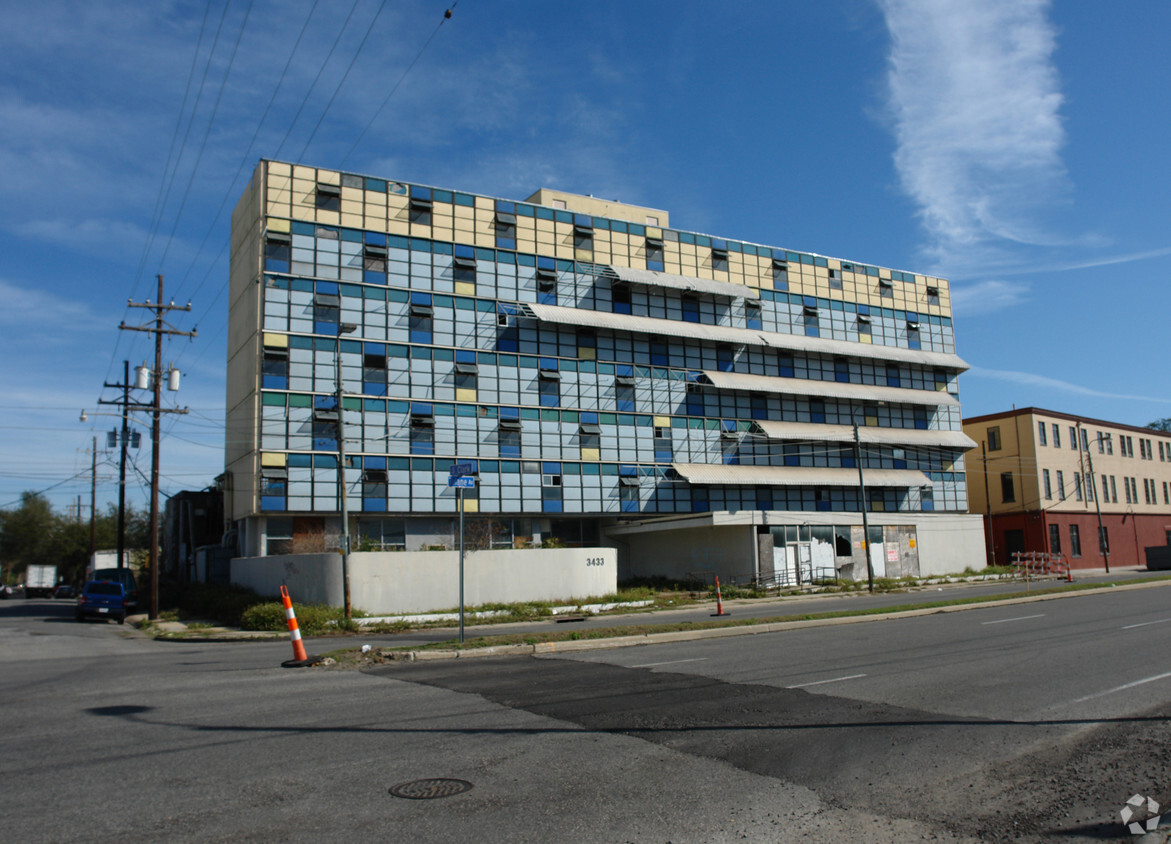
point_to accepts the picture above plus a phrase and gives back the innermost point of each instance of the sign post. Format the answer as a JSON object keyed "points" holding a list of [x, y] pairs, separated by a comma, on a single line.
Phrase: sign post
{"points": [[461, 477]]}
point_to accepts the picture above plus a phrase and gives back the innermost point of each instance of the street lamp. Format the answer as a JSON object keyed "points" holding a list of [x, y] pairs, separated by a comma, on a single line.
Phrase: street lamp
{"points": [[343, 328]]}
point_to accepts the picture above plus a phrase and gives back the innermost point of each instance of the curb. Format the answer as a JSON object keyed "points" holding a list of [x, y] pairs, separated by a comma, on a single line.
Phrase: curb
{"points": [[573, 645]]}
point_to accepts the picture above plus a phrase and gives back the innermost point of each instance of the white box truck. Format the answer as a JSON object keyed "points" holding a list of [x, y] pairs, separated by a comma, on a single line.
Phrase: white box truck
{"points": [[40, 581]]}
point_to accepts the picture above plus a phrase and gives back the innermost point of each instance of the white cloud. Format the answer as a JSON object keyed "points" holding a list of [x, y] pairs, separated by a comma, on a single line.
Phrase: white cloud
{"points": [[974, 98], [31, 310], [983, 297], [1031, 380]]}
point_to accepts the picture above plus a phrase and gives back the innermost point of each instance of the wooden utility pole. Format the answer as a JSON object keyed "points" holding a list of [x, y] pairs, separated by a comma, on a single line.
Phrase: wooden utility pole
{"points": [[158, 327]]}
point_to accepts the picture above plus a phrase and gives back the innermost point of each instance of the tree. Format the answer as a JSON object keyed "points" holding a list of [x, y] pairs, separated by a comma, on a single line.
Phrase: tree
{"points": [[26, 533], [1163, 425]]}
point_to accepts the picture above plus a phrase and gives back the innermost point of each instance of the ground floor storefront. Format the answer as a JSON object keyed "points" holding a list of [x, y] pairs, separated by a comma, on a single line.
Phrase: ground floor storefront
{"points": [[1122, 540]]}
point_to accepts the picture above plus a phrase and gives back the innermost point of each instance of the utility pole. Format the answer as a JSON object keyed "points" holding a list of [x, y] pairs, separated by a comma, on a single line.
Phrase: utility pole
{"points": [[865, 521], [93, 497], [344, 541], [158, 327], [988, 505], [123, 438], [1103, 543]]}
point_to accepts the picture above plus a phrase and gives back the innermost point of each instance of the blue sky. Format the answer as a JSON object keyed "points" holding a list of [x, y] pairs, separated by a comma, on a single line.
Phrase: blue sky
{"points": [[1017, 148]]}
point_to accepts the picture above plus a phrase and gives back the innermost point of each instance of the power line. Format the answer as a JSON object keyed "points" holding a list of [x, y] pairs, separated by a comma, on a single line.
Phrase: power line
{"points": [[247, 154], [446, 16], [320, 71], [342, 81], [207, 132]]}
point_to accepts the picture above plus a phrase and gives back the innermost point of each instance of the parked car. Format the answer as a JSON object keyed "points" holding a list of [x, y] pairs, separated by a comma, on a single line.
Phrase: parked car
{"points": [[102, 599], [65, 591], [120, 575]]}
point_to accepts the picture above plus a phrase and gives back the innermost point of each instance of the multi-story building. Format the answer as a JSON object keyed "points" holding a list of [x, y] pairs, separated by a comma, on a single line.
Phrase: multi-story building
{"points": [[1069, 485], [688, 399]]}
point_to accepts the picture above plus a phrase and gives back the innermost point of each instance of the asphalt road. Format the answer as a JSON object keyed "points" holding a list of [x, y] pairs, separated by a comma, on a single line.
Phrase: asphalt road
{"points": [[1032, 722], [751, 608]]}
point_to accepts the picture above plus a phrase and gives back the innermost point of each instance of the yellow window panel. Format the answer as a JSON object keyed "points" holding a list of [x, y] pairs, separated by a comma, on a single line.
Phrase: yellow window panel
{"points": [[662, 421], [329, 218], [465, 288], [465, 393], [277, 224], [269, 458], [279, 168], [307, 173], [583, 254], [275, 341], [352, 221], [586, 353], [471, 505], [329, 177], [590, 454]]}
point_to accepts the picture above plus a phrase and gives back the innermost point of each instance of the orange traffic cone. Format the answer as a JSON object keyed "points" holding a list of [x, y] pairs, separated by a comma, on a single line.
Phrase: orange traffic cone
{"points": [[719, 601], [300, 658]]}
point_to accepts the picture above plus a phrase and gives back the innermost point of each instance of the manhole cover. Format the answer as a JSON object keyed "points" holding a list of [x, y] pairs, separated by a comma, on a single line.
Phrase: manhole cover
{"points": [[430, 789]]}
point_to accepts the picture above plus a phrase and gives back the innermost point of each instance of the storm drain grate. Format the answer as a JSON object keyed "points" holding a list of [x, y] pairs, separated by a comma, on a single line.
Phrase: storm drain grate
{"points": [[430, 789]]}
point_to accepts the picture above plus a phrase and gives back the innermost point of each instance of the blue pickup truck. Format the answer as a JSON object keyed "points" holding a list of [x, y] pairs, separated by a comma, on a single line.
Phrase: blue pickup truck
{"points": [[102, 599]]}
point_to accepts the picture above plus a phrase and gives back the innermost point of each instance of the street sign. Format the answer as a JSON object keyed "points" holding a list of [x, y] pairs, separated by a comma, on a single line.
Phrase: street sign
{"points": [[465, 481], [459, 469]]}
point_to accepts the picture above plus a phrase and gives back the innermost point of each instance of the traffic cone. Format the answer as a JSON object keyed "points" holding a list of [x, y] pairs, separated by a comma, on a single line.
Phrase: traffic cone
{"points": [[719, 600], [300, 658]]}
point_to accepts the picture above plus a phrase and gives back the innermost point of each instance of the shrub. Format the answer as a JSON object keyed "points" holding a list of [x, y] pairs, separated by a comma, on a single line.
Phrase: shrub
{"points": [[312, 619]]}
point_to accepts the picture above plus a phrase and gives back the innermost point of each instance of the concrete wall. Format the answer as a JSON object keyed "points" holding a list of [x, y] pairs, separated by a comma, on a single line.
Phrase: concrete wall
{"points": [[707, 551], [948, 544], [388, 583]]}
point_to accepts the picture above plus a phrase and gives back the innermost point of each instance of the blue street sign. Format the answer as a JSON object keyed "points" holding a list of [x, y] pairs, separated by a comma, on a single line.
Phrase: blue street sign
{"points": [[465, 481], [462, 469]]}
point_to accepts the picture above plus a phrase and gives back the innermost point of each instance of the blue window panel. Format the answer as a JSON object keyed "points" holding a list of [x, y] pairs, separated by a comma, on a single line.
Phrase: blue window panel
{"points": [[842, 372], [755, 322], [549, 505], [508, 243], [510, 450], [764, 501], [694, 406], [811, 330], [698, 505], [374, 388], [589, 417], [273, 265], [419, 336], [848, 460], [276, 382], [690, 310], [823, 505], [913, 342], [759, 407], [621, 307], [785, 369], [324, 444], [373, 505], [657, 266], [629, 506], [373, 277], [272, 502], [664, 456], [329, 328], [927, 505], [659, 354], [900, 464]]}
